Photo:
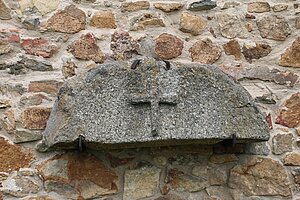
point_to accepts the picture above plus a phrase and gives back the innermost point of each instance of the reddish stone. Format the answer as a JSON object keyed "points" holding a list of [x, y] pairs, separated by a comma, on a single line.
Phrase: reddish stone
{"points": [[291, 57], [69, 20], [256, 52], [47, 86], [233, 48], [168, 46], [289, 115], [86, 48], [39, 47], [35, 117], [14, 157]]}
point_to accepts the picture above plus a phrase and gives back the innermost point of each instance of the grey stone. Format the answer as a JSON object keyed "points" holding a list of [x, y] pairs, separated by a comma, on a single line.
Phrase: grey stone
{"points": [[115, 106], [202, 5], [24, 135], [260, 148], [21, 66]]}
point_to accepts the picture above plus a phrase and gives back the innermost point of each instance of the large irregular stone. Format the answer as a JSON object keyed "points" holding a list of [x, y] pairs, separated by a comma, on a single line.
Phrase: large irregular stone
{"points": [[35, 117], [259, 7], [289, 115], [233, 48], [180, 181], [231, 26], [39, 47], [262, 73], [168, 7], [86, 48], [256, 51], [142, 21], [202, 5], [205, 52], [47, 86], [45, 6], [78, 175], [69, 20], [135, 6], [282, 143], [117, 104], [291, 57], [260, 176], [141, 183], [5, 47], [273, 27], [123, 45], [168, 46], [193, 24], [14, 157], [292, 159], [103, 19], [4, 10]]}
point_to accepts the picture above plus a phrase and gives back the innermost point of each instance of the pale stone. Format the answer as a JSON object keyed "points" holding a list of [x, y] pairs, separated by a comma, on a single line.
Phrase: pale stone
{"points": [[231, 25], [261, 177], [103, 19], [5, 47], [135, 6], [146, 20], [292, 159], [259, 7], [24, 135], [291, 56], [219, 192], [280, 7], [9, 120], [141, 183], [45, 6], [230, 4], [297, 22], [168, 7], [4, 11], [273, 27], [220, 159], [193, 24], [282, 143]]}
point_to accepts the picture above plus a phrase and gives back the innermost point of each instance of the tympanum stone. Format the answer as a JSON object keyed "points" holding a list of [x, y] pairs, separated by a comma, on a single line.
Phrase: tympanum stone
{"points": [[116, 105]]}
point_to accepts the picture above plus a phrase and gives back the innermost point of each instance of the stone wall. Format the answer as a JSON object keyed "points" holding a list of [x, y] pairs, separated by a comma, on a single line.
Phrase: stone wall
{"points": [[43, 43]]}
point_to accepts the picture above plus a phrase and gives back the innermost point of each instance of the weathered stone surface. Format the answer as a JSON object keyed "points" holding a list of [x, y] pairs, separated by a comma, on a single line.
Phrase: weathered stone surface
{"points": [[141, 183], [21, 185], [205, 52], [23, 135], [168, 46], [233, 48], [68, 69], [218, 193], [22, 66], [215, 176], [78, 175], [15, 158], [202, 5], [135, 6], [180, 181], [4, 10], [292, 159], [103, 19], [230, 4], [289, 115], [5, 103], [9, 120], [145, 20], [220, 159], [282, 143], [5, 47], [261, 177], [32, 100], [273, 27], [291, 57], [297, 22], [262, 73], [123, 45], [193, 24], [86, 48], [169, 197], [46, 86], [69, 20], [45, 6], [116, 105], [256, 52], [280, 7], [259, 148], [230, 25], [259, 7], [35, 117], [168, 7], [39, 47]]}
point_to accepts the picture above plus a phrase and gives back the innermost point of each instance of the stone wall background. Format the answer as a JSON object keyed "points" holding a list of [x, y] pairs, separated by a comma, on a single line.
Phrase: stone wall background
{"points": [[43, 43]]}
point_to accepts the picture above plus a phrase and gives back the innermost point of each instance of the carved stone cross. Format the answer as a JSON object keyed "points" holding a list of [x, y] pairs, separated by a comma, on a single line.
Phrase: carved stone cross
{"points": [[156, 94]]}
